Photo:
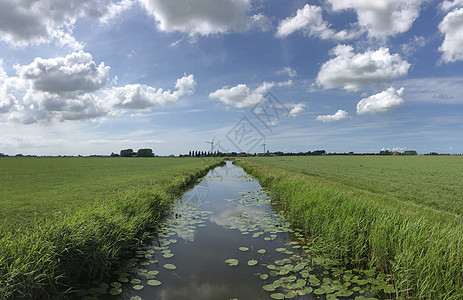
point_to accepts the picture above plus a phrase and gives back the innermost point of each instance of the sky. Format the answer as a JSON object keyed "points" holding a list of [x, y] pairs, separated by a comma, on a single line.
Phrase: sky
{"points": [[83, 77]]}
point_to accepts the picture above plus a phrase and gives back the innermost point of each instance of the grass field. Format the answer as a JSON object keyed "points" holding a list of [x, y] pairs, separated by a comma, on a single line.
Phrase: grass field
{"points": [[40, 187], [430, 181], [67, 221], [402, 215]]}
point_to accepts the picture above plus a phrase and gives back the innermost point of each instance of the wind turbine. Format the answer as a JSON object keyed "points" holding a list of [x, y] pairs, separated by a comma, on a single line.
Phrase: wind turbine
{"points": [[212, 145], [264, 144]]}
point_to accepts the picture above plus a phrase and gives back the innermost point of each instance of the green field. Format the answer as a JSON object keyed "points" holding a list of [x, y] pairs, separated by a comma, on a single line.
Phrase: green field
{"points": [[41, 187], [399, 215], [429, 181], [69, 221]]}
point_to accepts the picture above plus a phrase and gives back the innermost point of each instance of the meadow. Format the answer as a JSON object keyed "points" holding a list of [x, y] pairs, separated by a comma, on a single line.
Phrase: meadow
{"points": [[40, 187], [399, 215], [67, 221]]}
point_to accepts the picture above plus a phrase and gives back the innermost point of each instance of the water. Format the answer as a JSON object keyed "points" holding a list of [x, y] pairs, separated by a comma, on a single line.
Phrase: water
{"points": [[200, 253], [211, 224]]}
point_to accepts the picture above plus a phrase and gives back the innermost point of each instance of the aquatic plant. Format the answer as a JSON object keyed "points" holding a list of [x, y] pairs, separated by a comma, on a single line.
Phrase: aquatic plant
{"points": [[420, 247]]}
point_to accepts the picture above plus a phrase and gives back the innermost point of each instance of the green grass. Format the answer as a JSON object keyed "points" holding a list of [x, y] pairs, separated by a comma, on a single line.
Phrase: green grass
{"points": [[108, 207], [39, 187], [382, 212], [435, 182]]}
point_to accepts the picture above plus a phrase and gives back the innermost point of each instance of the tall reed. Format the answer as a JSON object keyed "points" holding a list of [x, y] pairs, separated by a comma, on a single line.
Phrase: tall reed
{"points": [[59, 253], [418, 246]]}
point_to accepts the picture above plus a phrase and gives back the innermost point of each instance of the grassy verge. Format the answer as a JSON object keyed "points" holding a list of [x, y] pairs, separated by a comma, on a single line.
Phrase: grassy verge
{"points": [[418, 245], [54, 254]]}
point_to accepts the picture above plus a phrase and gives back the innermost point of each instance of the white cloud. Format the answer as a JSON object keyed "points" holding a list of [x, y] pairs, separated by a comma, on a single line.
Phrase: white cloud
{"points": [[204, 16], [137, 96], [309, 20], [339, 115], [394, 148], [297, 110], [413, 45], [74, 74], [288, 71], [448, 5], [115, 9], [53, 89], [186, 85], [386, 101], [242, 96], [382, 18], [353, 71], [71, 88], [238, 96], [24, 22], [452, 27]]}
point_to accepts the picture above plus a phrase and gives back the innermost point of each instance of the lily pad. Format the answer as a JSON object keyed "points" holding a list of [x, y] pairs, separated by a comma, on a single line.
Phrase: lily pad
{"points": [[261, 251], [154, 282], [252, 262], [244, 249], [271, 267], [137, 287], [115, 291], [277, 296], [263, 276], [291, 294], [269, 287], [319, 291], [232, 261], [308, 290], [170, 266]]}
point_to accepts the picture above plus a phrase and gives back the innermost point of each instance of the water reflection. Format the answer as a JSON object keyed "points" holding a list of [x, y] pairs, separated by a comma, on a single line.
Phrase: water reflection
{"points": [[228, 216]]}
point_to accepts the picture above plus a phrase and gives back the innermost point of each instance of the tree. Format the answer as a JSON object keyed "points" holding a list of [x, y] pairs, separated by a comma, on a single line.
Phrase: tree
{"points": [[127, 153], [145, 153], [410, 152]]}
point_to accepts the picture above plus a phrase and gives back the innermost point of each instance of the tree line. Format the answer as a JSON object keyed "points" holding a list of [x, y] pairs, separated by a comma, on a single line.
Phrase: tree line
{"points": [[130, 153]]}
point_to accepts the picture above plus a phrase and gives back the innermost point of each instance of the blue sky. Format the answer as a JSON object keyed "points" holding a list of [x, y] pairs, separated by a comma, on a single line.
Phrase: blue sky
{"points": [[98, 76]]}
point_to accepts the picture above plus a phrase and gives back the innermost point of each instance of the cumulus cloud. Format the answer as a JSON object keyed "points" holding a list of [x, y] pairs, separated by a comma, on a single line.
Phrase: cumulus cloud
{"points": [[297, 110], [238, 96], [452, 28], [137, 96], [339, 115], [353, 71], [72, 88], [310, 21], [204, 16], [58, 88], [24, 22], [448, 5], [76, 73], [242, 96], [382, 18], [384, 102]]}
